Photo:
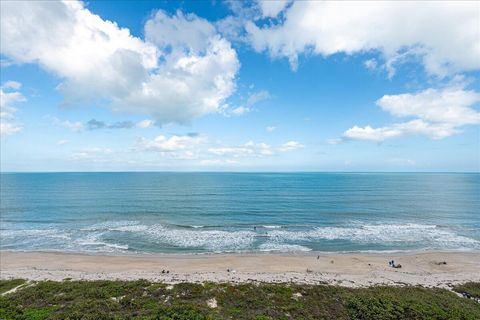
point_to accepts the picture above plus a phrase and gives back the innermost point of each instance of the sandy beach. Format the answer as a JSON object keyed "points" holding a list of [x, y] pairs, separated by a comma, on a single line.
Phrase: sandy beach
{"points": [[430, 269]]}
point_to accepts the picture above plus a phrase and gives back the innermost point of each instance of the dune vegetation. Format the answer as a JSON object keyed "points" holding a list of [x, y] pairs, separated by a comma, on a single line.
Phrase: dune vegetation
{"points": [[146, 300]]}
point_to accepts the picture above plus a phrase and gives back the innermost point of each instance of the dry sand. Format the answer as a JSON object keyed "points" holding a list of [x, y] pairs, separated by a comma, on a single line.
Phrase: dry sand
{"points": [[347, 269]]}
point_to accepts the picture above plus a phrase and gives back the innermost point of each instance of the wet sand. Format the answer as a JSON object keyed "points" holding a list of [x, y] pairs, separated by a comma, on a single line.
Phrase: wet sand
{"points": [[347, 269]]}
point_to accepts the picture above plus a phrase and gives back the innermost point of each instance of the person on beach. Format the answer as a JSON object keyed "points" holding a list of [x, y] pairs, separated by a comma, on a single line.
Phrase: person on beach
{"points": [[393, 265]]}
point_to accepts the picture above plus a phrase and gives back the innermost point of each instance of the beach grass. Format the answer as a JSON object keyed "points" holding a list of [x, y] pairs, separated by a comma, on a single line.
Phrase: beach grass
{"points": [[146, 300]]}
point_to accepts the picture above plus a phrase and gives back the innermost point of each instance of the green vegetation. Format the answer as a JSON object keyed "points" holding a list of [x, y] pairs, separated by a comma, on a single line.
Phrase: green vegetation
{"points": [[472, 288], [10, 284], [145, 300]]}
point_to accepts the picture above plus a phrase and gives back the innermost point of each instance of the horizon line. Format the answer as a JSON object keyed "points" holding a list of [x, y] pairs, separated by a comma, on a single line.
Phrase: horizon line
{"points": [[253, 171]]}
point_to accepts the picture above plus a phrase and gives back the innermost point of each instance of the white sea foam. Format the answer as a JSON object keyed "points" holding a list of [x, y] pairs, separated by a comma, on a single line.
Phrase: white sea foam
{"points": [[116, 246], [130, 228], [281, 239], [209, 239], [379, 233], [94, 242], [282, 247], [197, 238], [99, 237]]}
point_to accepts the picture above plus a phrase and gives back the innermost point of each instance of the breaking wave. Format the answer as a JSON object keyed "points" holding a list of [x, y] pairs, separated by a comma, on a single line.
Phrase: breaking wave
{"points": [[121, 236]]}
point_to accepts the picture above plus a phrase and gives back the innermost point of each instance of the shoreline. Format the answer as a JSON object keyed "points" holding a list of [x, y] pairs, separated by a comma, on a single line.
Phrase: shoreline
{"points": [[144, 254], [360, 269]]}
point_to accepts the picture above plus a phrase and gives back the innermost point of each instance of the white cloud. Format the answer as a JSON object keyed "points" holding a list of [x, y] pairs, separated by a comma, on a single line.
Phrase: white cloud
{"points": [[257, 97], [62, 142], [184, 69], [444, 34], [270, 128], [334, 141], [450, 105], [177, 147], [179, 32], [252, 149], [290, 146], [272, 8], [232, 28], [170, 144], [93, 155], [435, 131], [8, 97], [252, 100], [438, 114], [8, 128], [93, 124], [147, 123], [369, 133], [191, 150], [248, 149], [239, 111], [370, 64], [12, 85], [75, 126]]}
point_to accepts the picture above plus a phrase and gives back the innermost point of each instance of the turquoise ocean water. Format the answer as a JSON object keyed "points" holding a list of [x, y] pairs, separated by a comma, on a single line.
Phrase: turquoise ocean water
{"points": [[225, 212]]}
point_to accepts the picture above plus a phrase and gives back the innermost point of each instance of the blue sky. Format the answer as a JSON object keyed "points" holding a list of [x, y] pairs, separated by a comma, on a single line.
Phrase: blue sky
{"points": [[240, 86]]}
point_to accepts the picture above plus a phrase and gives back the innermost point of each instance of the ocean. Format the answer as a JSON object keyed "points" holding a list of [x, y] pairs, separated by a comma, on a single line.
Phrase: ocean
{"points": [[120, 213]]}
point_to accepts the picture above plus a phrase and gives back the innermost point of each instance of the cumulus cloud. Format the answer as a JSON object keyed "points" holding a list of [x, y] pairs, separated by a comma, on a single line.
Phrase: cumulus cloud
{"points": [[196, 146], [443, 34], [180, 147], [9, 96], [191, 148], [272, 8], [168, 144], [415, 127], [179, 32], [184, 69], [438, 113], [449, 105], [252, 149]]}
